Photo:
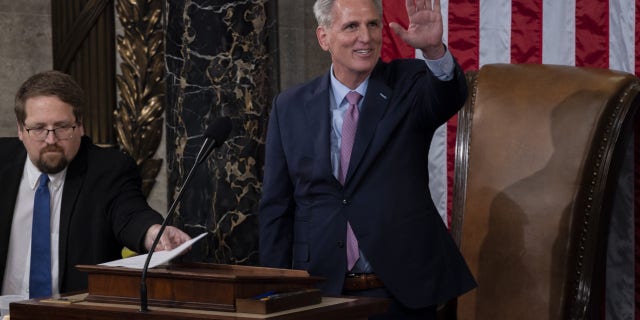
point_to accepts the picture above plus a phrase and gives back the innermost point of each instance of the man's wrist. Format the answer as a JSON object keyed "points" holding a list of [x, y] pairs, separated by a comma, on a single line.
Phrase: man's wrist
{"points": [[150, 236], [442, 68], [434, 52]]}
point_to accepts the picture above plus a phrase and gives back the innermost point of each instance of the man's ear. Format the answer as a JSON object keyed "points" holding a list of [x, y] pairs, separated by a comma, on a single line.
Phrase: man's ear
{"points": [[20, 131], [321, 34], [80, 128]]}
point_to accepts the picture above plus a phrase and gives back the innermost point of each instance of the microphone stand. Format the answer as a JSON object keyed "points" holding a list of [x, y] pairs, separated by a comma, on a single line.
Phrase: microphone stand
{"points": [[202, 154]]}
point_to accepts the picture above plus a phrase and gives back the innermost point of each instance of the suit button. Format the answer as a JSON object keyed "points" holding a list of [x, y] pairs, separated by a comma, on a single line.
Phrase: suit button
{"points": [[340, 244], [345, 201]]}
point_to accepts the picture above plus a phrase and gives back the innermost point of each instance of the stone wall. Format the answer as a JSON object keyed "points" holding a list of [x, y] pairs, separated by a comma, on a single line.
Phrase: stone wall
{"points": [[25, 49], [301, 58]]}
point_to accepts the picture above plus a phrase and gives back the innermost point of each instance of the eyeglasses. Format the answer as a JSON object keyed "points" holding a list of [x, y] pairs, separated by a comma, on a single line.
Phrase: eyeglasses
{"points": [[41, 134]]}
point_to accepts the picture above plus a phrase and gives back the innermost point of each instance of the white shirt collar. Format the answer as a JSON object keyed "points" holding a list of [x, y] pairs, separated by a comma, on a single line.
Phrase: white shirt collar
{"points": [[33, 174]]}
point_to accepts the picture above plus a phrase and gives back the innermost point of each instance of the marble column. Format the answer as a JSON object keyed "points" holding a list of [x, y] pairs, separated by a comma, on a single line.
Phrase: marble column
{"points": [[220, 62]]}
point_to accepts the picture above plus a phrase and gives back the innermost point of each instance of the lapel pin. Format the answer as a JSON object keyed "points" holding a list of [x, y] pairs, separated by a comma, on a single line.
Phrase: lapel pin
{"points": [[383, 96]]}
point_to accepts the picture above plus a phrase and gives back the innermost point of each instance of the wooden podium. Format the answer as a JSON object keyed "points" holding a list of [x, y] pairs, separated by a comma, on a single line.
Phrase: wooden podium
{"points": [[203, 286], [198, 291]]}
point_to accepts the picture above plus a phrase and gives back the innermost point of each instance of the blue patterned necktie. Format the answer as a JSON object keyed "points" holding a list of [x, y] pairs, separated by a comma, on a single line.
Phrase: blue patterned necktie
{"points": [[349, 126], [40, 272]]}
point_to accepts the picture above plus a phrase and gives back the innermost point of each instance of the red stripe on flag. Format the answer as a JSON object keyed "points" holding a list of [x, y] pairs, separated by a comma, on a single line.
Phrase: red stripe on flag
{"points": [[464, 32], [392, 46], [464, 41], [526, 31], [592, 33]]}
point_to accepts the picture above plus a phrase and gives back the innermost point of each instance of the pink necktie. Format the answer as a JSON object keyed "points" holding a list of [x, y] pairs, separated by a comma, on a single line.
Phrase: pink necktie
{"points": [[349, 126]]}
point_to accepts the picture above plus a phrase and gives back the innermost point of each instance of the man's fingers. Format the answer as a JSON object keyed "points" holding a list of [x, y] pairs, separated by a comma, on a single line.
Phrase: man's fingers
{"points": [[411, 7], [172, 238], [436, 5]]}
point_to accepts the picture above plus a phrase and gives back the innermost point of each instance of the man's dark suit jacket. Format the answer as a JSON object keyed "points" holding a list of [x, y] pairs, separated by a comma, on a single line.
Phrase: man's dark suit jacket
{"points": [[103, 208], [304, 209]]}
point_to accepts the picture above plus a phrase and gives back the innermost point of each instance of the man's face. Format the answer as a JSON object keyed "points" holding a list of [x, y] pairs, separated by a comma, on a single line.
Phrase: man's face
{"points": [[54, 153], [354, 40]]}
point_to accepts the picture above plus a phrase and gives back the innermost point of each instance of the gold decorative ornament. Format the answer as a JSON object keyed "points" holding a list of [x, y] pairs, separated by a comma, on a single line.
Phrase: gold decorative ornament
{"points": [[138, 118]]}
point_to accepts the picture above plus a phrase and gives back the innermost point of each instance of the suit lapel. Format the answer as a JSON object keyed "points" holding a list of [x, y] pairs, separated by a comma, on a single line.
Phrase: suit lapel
{"points": [[374, 106], [72, 186], [318, 122], [10, 177]]}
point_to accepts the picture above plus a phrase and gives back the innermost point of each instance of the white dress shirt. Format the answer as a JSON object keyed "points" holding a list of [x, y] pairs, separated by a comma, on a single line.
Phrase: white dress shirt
{"points": [[16, 275]]}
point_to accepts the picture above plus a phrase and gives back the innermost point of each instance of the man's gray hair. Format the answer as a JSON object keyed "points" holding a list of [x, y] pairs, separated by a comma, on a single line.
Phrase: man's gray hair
{"points": [[322, 10]]}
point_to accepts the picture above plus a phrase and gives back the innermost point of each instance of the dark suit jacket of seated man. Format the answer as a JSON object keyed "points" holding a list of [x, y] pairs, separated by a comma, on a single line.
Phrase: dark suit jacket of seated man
{"points": [[102, 208], [96, 203]]}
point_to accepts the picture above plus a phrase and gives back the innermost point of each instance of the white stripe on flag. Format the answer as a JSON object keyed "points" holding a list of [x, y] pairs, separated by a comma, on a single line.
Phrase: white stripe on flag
{"points": [[438, 171], [622, 35], [444, 10], [558, 32], [495, 31]]}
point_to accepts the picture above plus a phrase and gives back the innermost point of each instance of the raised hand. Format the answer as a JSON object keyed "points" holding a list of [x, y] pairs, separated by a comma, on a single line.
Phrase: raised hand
{"points": [[425, 27]]}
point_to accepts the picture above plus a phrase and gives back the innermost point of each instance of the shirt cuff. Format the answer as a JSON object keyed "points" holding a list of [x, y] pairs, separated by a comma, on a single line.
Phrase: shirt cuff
{"points": [[441, 68]]}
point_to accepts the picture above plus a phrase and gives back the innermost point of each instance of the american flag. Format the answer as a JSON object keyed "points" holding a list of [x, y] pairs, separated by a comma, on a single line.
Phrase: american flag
{"points": [[594, 33]]}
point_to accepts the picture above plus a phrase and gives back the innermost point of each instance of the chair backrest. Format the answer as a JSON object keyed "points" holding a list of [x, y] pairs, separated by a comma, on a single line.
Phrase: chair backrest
{"points": [[537, 156]]}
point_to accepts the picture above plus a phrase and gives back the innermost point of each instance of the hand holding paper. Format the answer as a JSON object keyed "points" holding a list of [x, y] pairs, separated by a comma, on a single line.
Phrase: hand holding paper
{"points": [[158, 258]]}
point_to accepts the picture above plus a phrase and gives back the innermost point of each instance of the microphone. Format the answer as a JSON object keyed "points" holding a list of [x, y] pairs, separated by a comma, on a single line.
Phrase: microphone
{"points": [[215, 135]]}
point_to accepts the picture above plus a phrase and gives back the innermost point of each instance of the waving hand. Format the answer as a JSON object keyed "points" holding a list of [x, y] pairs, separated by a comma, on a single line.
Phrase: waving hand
{"points": [[425, 27]]}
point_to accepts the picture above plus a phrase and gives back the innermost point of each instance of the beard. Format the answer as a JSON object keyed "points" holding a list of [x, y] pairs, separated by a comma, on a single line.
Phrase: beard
{"points": [[51, 164]]}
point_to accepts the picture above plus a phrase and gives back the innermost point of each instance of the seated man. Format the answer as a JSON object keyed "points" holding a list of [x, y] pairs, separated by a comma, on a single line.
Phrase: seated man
{"points": [[66, 201]]}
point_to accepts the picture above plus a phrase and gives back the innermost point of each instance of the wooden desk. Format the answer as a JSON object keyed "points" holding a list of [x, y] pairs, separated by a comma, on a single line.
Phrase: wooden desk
{"points": [[350, 308]]}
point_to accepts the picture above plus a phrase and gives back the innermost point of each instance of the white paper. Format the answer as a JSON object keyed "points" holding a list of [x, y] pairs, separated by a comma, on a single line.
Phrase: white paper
{"points": [[158, 257]]}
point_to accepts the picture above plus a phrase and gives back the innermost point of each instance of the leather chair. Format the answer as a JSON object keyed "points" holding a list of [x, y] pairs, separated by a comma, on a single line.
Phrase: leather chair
{"points": [[538, 152]]}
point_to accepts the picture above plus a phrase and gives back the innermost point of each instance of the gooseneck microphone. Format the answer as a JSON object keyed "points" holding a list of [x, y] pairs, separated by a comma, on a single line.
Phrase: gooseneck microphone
{"points": [[215, 135]]}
